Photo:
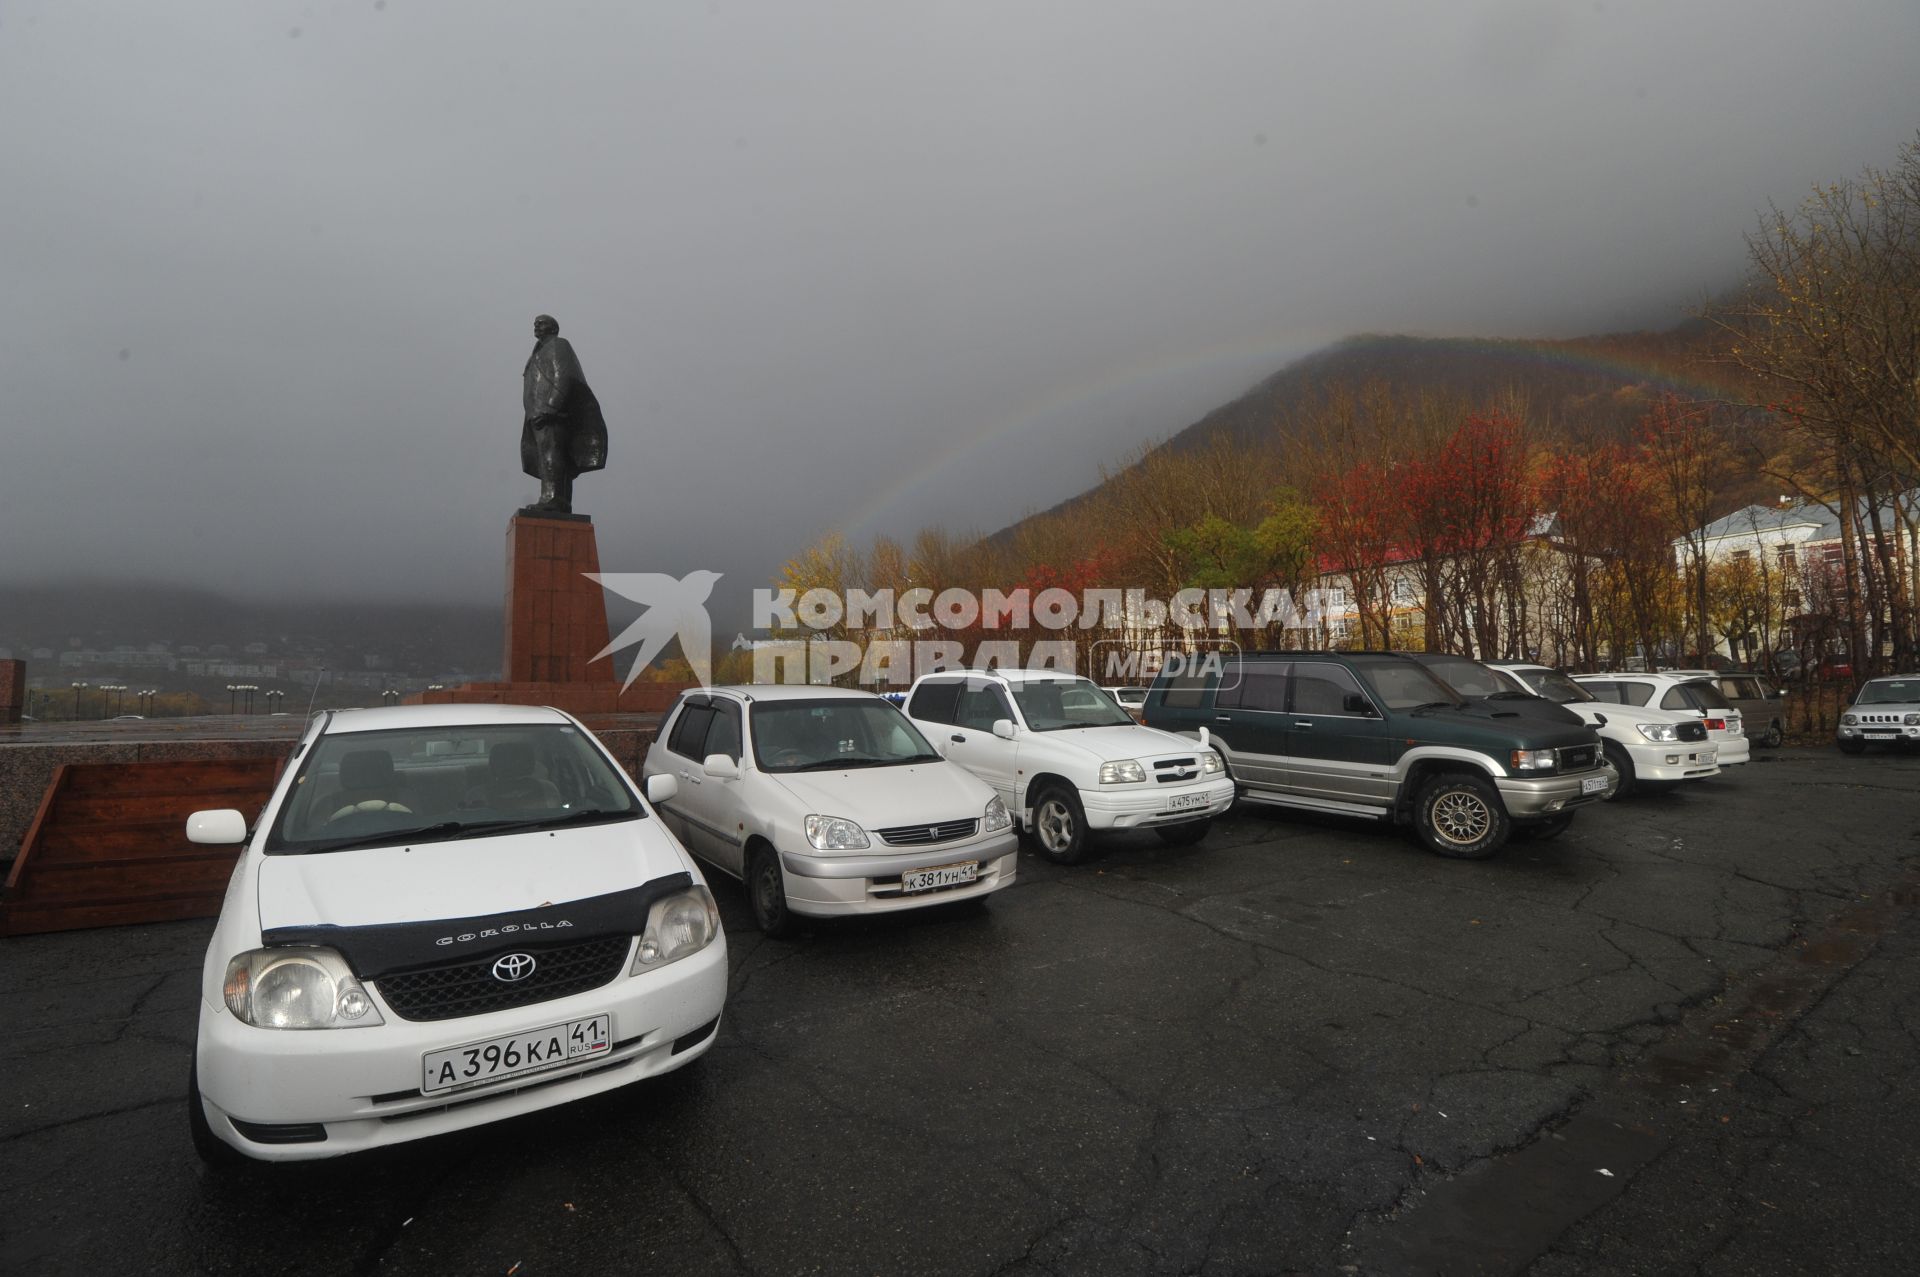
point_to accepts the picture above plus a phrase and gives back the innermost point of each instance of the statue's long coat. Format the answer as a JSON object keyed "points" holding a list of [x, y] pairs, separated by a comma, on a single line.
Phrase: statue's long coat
{"points": [[553, 385]]}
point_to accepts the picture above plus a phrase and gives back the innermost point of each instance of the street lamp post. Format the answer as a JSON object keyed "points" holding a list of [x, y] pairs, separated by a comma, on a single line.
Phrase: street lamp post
{"points": [[231, 690], [77, 689]]}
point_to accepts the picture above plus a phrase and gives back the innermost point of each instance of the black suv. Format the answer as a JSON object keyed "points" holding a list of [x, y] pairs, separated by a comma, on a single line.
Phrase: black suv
{"points": [[1376, 734]]}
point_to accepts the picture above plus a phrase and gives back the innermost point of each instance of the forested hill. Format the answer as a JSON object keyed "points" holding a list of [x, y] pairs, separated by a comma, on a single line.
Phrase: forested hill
{"points": [[1583, 388]]}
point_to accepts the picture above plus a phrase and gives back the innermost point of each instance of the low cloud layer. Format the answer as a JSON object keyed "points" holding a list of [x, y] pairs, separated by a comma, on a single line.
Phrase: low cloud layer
{"points": [[272, 268]]}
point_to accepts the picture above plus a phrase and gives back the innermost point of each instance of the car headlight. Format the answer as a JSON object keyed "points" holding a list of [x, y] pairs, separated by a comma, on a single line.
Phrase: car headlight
{"points": [[997, 817], [1124, 771], [1533, 760], [297, 989], [1912, 720], [678, 926], [1662, 732], [1848, 719], [1210, 764], [834, 833]]}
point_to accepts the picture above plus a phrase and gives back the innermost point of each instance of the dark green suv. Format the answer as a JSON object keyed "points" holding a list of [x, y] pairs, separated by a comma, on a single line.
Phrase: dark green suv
{"points": [[1375, 734]]}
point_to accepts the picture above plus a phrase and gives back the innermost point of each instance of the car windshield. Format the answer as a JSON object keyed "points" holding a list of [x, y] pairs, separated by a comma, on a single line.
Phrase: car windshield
{"points": [[1888, 691], [1469, 678], [1404, 684], [832, 733], [365, 789], [1555, 686], [1057, 704]]}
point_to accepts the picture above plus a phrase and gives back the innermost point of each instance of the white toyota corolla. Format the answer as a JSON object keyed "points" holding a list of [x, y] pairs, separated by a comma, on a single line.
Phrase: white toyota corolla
{"points": [[445, 916]]}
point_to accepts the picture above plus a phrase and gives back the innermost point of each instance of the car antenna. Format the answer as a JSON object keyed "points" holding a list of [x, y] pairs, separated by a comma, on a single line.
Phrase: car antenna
{"points": [[315, 692]]}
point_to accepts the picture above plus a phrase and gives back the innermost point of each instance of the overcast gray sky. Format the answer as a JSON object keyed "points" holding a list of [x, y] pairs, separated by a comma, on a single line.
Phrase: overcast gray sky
{"points": [[270, 268]]}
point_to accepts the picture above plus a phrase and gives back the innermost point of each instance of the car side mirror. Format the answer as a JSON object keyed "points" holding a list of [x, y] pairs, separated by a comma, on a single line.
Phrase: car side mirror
{"points": [[222, 827], [720, 767], [1003, 728], [1354, 703], [662, 788]]}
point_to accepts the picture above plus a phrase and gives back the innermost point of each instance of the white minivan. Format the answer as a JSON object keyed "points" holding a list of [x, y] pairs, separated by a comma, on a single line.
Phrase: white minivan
{"points": [[445, 915], [826, 801], [1066, 759]]}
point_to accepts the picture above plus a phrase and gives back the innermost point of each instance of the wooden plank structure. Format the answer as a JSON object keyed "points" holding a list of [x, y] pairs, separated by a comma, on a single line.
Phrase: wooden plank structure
{"points": [[109, 844]]}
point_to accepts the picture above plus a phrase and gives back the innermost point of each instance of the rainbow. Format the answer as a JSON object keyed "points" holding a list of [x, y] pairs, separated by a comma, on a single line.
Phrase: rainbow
{"points": [[1575, 355]]}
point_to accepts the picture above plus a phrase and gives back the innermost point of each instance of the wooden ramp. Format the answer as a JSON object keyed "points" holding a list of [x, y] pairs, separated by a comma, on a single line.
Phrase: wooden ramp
{"points": [[109, 845]]}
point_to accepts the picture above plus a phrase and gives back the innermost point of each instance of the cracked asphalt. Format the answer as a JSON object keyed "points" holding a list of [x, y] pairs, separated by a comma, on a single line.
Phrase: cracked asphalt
{"points": [[1304, 1045]]}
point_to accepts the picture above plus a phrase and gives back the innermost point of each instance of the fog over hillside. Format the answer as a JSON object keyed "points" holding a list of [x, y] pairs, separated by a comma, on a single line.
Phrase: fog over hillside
{"points": [[839, 265]]}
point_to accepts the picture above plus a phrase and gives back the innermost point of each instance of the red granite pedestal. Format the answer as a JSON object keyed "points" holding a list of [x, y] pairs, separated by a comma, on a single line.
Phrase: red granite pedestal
{"points": [[556, 615], [13, 689], [556, 624]]}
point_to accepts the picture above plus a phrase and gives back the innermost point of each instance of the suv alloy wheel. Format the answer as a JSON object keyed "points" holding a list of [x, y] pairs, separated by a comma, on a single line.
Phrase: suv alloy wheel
{"points": [[1461, 816]]}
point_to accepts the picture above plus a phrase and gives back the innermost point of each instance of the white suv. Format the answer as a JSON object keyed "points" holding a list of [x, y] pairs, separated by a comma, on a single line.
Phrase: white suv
{"points": [[445, 915], [1684, 693], [826, 802], [1650, 748], [1066, 759]]}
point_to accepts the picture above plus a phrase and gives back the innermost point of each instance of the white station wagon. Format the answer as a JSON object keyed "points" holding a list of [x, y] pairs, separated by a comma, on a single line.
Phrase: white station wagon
{"points": [[1066, 759], [825, 801], [446, 915]]}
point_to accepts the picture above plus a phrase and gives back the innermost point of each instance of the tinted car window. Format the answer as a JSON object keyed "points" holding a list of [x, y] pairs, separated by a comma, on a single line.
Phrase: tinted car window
{"points": [[689, 738], [979, 706], [1323, 688], [1701, 695], [1261, 687], [723, 737], [934, 702], [1620, 693], [1186, 690]]}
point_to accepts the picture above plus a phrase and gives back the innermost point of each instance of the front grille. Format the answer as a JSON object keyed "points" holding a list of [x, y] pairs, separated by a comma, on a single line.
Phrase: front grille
{"points": [[1691, 730], [470, 987], [1889, 719], [1576, 758], [1174, 771], [925, 835]]}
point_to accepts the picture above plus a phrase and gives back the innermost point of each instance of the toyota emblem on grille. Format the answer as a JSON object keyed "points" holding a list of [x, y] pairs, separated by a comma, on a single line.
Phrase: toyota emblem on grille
{"points": [[513, 966]]}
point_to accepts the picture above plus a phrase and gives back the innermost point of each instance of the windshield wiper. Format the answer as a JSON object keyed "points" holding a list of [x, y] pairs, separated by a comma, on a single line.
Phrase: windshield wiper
{"points": [[1437, 705], [594, 814], [428, 833], [448, 829], [833, 764]]}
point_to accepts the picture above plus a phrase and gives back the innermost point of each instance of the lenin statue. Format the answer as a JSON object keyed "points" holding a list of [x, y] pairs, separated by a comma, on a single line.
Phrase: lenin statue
{"points": [[563, 433]]}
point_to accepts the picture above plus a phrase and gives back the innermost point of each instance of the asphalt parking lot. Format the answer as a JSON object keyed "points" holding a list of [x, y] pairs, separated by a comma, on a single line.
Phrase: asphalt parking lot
{"points": [[1679, 1036]]}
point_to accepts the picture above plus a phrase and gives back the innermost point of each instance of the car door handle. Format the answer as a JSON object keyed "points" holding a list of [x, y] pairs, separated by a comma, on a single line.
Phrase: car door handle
{"points": [[958, 739], [1223, 718], [690, 778], [1303, 724]]}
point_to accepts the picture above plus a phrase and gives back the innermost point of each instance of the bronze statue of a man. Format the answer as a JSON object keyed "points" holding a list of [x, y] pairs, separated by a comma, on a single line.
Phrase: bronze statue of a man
{"points": [[563, 434]]}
